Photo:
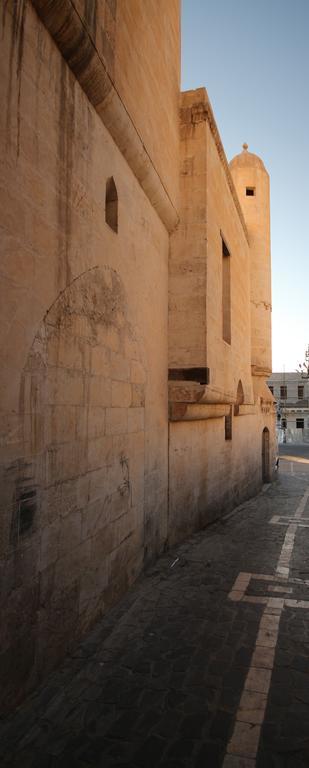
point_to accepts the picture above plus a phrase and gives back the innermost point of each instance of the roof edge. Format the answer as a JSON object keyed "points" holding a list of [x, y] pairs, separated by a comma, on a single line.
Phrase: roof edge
{"points": [[198, 101]]}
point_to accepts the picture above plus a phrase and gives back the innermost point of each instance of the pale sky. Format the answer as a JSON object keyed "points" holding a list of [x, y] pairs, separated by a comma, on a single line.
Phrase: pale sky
{"points": [[253, 58]]}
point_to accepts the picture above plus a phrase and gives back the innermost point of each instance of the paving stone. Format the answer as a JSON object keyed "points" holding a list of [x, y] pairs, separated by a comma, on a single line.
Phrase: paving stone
{"points": [[182, 748], [245, 740], [192, 725], [150, 752], [210, 754], [169, 723], [177, 673]]}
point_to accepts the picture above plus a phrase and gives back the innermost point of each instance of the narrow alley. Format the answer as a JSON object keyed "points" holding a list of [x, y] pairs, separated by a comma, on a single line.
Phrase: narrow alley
{"points": [[203, 664]]}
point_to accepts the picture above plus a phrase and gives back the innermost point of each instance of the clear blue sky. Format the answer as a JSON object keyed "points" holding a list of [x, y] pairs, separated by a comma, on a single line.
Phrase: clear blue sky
{"points": [[253, 58]]}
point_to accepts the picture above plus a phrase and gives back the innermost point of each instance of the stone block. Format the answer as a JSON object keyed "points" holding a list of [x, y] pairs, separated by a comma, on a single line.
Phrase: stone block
{"points": [[49, 545], [116, 421], [138, 375], [65, 461], [245, 740], [64, 387], [135, 419], [57, 625], [109, 336], [70, 532], [20, 613], [17, 671], [90, 422], [100, 391], [91, 602], [120, 367], [138, 395], [100, 361], [95, 517], [136, 446], [66, 351], [252, 707], [258, 680], [121, 394], [60, 423], [70, 567], [100, 452]]}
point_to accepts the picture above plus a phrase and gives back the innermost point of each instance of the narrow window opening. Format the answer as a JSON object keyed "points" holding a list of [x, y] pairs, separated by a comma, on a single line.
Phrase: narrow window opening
{"points": [[226, 293], [300, 392], [240, 398], [271, 389], [299, 423], [228, 425], [283, 423], [283, 392], [111, 205], [250, 191], [265, 456]]}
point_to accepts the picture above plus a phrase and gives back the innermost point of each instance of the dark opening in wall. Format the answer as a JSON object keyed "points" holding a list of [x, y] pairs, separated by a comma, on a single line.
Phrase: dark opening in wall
{"points": [[26, 510], [240, 398], [26, 503], [111, 205], [228, 425], [250, 191], [226, 293], [200, 375]]}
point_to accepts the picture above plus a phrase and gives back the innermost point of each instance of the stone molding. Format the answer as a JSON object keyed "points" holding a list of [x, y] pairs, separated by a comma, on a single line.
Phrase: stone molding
{"points": [[198, 111], [71, 36], [197, 411]]}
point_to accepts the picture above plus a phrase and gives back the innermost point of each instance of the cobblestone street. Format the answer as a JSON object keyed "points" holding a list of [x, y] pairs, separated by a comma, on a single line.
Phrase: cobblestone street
{"points": [[205, 661]]}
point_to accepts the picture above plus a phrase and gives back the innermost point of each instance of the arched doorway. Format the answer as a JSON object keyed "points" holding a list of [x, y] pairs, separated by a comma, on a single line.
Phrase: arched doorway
{"points": [[265, 456]]}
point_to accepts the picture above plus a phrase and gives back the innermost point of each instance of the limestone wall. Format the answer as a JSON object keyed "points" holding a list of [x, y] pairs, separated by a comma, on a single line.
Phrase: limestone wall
{"points": [[217, 474], [187, 263], [89, 106], [217, 424], [250, 173], [83, 357], [139, 43], [209, 213], [228, 363], [147, 76]]}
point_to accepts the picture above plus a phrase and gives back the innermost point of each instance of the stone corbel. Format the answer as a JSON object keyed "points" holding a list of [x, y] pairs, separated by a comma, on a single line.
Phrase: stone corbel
{"points": [[197, 411]]}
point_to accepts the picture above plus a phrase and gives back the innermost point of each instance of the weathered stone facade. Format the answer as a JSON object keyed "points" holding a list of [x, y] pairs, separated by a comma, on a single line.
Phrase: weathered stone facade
{"points": [[98, 472]]}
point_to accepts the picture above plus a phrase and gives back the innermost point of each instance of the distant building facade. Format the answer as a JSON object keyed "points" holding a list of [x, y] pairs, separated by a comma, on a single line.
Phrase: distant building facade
{"points": [[291, 393], [135, 317]]}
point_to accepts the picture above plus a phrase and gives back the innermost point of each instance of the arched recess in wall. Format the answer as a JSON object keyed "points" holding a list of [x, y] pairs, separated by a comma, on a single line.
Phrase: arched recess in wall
{"points": [[240, 398], [265, 456], [82, 402], [111, 204]]}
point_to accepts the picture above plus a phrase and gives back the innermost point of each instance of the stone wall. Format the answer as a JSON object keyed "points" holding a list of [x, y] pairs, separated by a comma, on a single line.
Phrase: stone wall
{"points": [[216, 425], [90, 107], [217, 474], [84, 359]]}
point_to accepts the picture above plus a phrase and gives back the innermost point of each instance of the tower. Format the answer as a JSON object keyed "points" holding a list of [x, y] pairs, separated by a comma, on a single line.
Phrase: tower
{"points": [[252, 186]]}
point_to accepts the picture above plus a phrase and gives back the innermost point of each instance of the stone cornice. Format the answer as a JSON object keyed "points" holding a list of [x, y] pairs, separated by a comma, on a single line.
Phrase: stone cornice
{"points": [[67, 28], [197, 102]]}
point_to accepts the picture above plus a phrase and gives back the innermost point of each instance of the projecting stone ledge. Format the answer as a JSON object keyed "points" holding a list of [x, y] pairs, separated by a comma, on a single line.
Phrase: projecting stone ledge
{"points": [[185, 392], [196, 411]]}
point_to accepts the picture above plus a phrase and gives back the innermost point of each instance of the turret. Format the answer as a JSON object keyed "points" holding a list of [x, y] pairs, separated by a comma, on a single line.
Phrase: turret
{"points": [[252, 185]]}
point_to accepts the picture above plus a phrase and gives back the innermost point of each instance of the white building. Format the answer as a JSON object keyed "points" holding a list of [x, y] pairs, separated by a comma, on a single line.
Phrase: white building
{"points": [[291, 392]]}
